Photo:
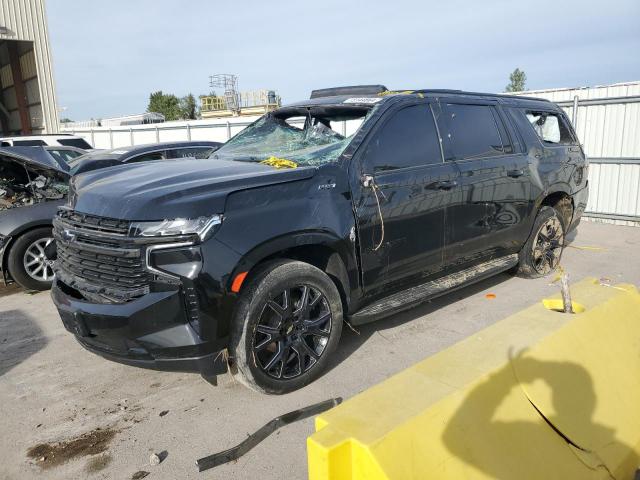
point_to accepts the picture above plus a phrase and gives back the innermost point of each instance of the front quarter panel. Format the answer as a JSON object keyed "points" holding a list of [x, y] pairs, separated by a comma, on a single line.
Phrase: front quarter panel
{"points": [[262, 221]]}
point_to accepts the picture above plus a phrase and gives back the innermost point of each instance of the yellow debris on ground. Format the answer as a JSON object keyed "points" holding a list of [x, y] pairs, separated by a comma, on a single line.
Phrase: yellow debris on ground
{"points": [[539, 395]]}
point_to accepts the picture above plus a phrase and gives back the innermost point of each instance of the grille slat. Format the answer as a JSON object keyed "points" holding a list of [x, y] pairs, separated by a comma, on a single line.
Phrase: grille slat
{"points": [[97, 253]]}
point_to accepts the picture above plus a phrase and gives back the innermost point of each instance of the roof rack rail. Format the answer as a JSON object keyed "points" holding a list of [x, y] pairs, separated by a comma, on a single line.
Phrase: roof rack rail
{"points": [[352, 90], [462, 92]]}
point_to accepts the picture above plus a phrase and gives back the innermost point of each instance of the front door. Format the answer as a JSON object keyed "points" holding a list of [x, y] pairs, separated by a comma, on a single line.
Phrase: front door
{"points": [[403, 192]]}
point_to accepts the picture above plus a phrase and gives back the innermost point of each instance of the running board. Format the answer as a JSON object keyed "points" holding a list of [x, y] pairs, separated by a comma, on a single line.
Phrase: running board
{"points": [[427, 291]]}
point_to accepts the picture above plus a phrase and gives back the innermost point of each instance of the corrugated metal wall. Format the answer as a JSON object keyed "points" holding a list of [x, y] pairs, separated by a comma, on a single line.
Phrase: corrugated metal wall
{"points": [[26, 20], [608, 125]]}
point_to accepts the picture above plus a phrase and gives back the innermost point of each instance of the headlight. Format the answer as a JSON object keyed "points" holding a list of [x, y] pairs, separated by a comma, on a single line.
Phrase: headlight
{"points": [[203, 227]]}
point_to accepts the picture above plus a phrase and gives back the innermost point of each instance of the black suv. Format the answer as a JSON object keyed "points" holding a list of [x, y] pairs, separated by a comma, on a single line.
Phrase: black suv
{"points": [[347, 207]]}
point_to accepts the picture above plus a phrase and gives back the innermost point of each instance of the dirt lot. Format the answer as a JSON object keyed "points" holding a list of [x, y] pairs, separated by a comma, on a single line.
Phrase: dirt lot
{"points": [[69, 414]]}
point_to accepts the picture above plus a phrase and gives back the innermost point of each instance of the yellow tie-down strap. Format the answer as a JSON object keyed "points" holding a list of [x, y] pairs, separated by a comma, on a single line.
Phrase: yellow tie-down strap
{"points": [[539, 395]]}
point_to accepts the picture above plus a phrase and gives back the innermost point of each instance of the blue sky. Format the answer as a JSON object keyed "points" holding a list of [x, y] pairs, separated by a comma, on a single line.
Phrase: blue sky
{"points": [[109, 55]]}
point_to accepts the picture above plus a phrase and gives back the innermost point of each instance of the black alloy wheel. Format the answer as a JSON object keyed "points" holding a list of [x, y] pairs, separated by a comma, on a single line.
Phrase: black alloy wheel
{"points": [[547, 246], [286, 326], [292, 332]]}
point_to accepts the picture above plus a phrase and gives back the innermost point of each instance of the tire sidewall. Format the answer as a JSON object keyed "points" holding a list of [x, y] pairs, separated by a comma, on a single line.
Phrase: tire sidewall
{"points": [[15, 259], [273, 280], [526, 267]]}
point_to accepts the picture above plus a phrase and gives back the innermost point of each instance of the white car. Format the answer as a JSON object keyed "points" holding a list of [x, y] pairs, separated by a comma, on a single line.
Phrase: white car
{"points": [[53, 140]]}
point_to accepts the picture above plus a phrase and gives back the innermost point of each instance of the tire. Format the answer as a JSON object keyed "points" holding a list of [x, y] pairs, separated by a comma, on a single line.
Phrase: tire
{"points": [[35, 276], [266, 326], [542, 252]]}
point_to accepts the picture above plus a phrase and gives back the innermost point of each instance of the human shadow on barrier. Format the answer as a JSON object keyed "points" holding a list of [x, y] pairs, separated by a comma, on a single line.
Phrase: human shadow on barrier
{"points": [[351, 341], [20, 337], [503, 449]]}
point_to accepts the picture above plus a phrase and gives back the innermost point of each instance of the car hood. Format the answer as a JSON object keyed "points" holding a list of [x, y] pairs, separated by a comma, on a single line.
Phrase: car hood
{"points": [[35, 156], [164, 189]]}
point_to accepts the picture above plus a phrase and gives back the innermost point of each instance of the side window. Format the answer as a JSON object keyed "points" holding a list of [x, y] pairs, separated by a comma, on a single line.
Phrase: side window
{"points": [[75, 142], [29, 143], [195, 152], [147, 157], [473, 131], [407, 139], [550, 127]]}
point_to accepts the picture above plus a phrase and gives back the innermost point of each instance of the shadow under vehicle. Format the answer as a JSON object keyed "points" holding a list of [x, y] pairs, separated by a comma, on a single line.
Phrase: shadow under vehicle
{"points": [[354, 204]]}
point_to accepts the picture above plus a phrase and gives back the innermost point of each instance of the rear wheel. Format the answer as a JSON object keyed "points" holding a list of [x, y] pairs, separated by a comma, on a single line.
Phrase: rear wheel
{"points": [[27, 262], [542, 252], [287, 325]]}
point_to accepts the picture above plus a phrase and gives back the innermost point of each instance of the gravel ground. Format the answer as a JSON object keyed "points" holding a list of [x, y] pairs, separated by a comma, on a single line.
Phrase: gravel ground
{"points": [[69, 414]]}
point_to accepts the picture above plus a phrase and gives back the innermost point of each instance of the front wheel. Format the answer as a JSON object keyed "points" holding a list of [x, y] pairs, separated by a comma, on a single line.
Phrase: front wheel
{"points": [[287, 325], [542, 251], [27, 262]]}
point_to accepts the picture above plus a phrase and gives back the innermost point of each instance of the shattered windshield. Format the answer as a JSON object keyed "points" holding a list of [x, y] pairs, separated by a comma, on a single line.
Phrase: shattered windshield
{"points": [[304, 136]]}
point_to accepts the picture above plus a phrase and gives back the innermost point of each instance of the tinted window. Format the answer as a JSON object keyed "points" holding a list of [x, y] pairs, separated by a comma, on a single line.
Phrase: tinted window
{"points": [[148, 156], [64, 155], [28, 143], [550, 127], [472, 131], [196, 152], [74, 142], [407, 139]]}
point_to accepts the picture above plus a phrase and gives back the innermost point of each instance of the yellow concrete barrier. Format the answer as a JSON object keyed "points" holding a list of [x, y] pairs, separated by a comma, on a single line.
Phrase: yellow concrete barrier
{"points": [[539, 395]]}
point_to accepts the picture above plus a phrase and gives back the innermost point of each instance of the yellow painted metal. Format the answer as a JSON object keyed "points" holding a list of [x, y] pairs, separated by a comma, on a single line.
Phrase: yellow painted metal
{"points": [[539, 395]]}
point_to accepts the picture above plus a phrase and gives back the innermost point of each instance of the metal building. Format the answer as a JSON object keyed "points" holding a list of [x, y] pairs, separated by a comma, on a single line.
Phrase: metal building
{"points": [[27, 91]]}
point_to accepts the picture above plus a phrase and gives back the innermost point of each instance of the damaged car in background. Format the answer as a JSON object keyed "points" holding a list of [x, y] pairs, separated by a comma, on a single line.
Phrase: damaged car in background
{"points": [[33, 184], [352, 205]]}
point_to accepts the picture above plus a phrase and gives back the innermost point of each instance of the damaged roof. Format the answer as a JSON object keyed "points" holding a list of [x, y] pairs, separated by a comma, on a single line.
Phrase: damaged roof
{"points": [[373, 94]]}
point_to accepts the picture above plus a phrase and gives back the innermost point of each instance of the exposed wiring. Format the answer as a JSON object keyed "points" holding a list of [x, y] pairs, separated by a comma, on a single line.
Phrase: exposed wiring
{"points": [[369, 181]]}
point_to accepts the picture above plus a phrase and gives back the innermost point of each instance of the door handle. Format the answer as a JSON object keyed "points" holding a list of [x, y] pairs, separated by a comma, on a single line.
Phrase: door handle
{"points": [[442, 185], [515, 173]]}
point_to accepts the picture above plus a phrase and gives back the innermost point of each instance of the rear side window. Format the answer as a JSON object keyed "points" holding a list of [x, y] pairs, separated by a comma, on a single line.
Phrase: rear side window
{"points": [[407, 139], [28, 143], [147, 157], [473, 131], [550, 127], [75, 142], [195, 152]]}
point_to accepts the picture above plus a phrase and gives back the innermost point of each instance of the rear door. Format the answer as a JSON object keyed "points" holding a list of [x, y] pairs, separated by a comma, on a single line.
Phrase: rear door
{"points": [[403, 191], [494, 181]]}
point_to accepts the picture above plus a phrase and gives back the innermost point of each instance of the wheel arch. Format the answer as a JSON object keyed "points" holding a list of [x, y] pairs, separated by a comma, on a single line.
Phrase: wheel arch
{"points": [[323, 250], [562, 201], [13, 237]]}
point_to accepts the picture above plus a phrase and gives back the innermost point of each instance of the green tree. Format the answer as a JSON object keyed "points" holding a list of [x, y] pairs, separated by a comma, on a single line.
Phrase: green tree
{"points": [[165, 103], [188, 107], [517, 81]]}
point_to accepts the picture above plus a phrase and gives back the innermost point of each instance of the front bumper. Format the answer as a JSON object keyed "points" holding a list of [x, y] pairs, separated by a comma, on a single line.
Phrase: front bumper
{"points": [[149, 332]]}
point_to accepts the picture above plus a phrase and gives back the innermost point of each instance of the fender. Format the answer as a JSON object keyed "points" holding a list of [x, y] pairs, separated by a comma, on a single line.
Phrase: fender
{"points": [[17, 221], [341, 263], [558, 187]]}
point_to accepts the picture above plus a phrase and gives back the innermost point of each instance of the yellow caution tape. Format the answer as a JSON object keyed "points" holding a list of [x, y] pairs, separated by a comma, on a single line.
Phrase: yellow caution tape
{"points": [[395, 92], [279, 162]]}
